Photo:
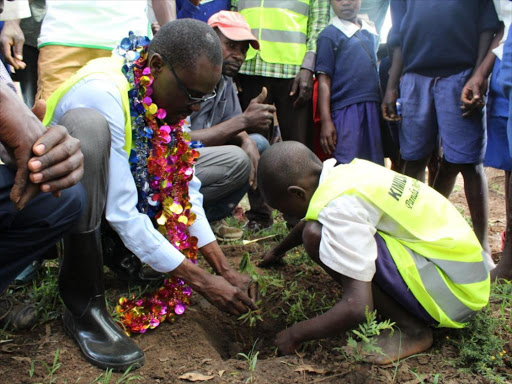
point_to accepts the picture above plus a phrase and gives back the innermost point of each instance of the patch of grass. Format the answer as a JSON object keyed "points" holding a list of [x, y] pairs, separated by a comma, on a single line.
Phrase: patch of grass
{"points": [[51, 370], [481, 344], [43, 292], [252, 360], [107, 377]]}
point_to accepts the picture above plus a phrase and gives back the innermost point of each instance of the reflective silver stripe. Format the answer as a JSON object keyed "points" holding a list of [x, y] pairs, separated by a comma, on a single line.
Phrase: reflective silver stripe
{"points": [[280, 36], [461, 272], [439, 291], [291, 5]]}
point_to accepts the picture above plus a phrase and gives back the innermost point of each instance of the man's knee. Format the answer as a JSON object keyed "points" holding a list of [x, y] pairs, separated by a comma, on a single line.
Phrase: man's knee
{"points": [[311, 237], [241, 165], [90, 127]]}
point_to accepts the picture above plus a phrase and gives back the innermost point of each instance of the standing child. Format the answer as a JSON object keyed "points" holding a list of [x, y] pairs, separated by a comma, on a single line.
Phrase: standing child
{"points": [[349, 94]]}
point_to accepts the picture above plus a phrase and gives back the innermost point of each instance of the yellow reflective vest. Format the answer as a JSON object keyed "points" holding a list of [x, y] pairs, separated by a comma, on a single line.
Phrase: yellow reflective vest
{"points": [[281, 27], [443, 267], [111, 69]]}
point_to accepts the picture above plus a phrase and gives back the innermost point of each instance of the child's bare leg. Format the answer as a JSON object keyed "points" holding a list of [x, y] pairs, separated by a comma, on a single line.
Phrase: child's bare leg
{"points": [[504, 267], [412, 336], [475, 187], [416, 168]]}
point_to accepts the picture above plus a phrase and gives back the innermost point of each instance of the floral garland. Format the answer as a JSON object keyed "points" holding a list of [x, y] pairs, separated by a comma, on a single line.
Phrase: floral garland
{"points": [[162, 166]]}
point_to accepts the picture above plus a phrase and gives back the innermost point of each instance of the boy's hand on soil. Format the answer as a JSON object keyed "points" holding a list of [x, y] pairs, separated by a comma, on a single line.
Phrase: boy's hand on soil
{"points": [[286, 343], [328, 137], [472, 96], [269, 259]]}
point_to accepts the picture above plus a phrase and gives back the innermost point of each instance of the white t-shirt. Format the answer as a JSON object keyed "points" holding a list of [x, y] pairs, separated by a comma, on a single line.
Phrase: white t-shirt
{"points": [[135, 229], [349, 225], [97, 24]]}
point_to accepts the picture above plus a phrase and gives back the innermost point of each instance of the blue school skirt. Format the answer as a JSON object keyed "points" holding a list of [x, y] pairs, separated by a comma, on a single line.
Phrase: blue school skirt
{"points": [[358, 131]]}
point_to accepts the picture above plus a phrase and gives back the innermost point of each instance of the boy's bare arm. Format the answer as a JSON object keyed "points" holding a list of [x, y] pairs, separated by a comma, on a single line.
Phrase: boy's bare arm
{"points": [[291, 241], [388, 106], [476, 87], [345, 315], [328, 133]]}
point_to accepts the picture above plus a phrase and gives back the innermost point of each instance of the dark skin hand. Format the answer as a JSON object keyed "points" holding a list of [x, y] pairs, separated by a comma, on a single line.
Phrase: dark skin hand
{"points": [[58, 161], [11, 44], [345, 315], [302, 88], [216, 289], [275, 255], [472, 96], [328, 135], [388, 106]]}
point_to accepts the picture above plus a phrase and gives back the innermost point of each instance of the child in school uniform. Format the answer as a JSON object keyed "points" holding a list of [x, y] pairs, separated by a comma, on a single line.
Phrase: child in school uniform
{"points": [[394, 243], [348, 86]]}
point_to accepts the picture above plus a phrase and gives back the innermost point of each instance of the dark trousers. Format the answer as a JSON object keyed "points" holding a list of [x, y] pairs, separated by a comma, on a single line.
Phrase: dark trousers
{"points": [[295, 124], [28, 76], [27, 234]]}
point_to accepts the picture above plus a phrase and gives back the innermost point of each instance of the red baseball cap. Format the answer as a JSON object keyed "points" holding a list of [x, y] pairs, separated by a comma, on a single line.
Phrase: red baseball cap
{"points": [[234, 27]]}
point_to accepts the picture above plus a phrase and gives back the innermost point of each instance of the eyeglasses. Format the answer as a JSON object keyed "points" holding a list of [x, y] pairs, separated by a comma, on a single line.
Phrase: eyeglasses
{"points": [[192, 100]]}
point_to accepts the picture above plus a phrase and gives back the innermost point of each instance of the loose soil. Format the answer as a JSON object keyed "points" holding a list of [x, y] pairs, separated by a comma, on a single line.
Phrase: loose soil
{"points": [[206, 341]]}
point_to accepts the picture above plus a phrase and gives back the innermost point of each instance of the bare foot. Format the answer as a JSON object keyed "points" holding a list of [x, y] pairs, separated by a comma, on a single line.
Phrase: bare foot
{"points": [[401, 344]]}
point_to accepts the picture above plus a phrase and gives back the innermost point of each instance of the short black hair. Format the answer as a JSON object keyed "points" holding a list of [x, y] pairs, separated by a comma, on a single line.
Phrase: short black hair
{"points": [[182, 42], [284, 164]]}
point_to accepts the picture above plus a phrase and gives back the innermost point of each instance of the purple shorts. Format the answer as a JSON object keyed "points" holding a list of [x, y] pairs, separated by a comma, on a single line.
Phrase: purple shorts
{"points": [[389, 280], [431, 112]]}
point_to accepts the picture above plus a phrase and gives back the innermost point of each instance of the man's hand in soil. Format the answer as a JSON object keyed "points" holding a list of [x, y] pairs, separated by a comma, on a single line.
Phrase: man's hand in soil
{"points": [[58, 163], [259, 116]]}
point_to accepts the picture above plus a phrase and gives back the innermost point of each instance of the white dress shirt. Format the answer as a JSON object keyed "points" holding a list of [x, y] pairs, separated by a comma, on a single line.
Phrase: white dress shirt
{"points": [[135, 229]]}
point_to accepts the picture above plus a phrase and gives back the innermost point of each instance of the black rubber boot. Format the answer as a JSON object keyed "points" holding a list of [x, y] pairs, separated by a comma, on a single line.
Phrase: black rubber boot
{"points": [[86, 317]]}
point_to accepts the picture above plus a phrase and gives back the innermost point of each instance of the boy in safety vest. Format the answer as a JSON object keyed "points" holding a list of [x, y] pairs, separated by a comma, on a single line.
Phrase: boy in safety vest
{"points": [[392, 242]]}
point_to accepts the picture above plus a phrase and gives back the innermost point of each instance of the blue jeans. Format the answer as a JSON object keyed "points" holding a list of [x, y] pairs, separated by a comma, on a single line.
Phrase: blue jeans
{"points": [[261, 142]]}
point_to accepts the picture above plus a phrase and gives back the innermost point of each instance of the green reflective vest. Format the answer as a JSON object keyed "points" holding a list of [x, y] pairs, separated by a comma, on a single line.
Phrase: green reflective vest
{"points": [[443, 267], [281, 27], [111, 69]]}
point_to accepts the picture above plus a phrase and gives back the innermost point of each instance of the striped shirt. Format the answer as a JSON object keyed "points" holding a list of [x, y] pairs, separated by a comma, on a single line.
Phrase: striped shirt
{"points": [[318, 19]]}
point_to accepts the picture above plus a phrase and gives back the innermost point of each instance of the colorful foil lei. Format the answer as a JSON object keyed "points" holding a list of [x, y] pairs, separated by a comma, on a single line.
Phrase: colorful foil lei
{"points": [[162, 165]]}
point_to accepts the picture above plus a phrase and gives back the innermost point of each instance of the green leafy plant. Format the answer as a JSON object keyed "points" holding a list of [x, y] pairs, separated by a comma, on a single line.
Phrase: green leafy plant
{"points": [[365, 341], [252, 360]]}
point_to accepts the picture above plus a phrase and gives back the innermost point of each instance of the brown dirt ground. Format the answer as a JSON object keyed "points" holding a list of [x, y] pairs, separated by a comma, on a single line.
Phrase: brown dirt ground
{"points": [[207, 341]]}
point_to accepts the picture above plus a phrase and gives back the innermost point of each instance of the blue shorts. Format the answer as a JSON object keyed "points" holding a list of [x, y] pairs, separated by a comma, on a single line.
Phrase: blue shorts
{"points": [[498, 142], [431, 112]]}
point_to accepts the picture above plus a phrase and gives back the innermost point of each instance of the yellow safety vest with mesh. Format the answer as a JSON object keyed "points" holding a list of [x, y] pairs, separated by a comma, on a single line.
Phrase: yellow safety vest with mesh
{"points": [[111, 69], [443, 267], [281, 27]]}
